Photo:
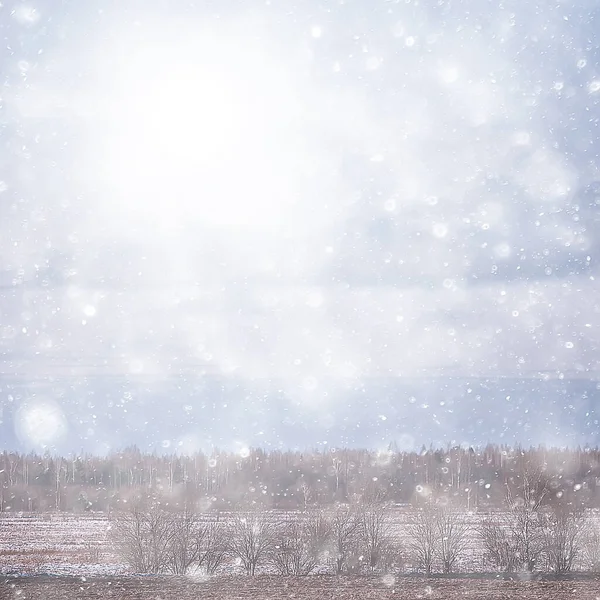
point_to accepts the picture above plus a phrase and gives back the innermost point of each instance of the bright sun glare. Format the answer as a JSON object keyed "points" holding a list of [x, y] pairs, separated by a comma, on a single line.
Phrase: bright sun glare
{"points": [[196, 134]]}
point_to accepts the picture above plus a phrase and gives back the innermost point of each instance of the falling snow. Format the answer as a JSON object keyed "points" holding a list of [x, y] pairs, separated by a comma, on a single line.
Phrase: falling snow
{"points": [[296, 227]]}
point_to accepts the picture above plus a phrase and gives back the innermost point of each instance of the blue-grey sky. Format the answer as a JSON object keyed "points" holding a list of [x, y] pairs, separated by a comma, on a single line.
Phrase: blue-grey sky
{"points": [[279, 222]]}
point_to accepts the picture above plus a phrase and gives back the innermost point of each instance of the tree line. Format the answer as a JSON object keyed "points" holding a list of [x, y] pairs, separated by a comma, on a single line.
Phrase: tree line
{"points": [[347, 539], [473, 478], [535, 531]]}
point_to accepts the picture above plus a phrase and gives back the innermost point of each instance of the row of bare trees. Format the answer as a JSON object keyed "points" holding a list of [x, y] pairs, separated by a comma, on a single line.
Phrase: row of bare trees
{"points": [[437, 538], [361, 538], [537, 531], [347, 539], [154, 540], [525, 539]]}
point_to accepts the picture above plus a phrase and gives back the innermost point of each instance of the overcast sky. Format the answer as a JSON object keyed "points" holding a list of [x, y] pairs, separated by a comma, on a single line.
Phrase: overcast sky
{"points": [[299, 197]]}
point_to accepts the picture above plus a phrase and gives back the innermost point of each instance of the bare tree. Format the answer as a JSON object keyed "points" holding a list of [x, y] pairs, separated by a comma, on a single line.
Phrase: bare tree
{"points": [[344, 538], [561, 530], [376, 540], [129, 536], [306, 492], [143, 538], [216, 547], [291, 554], [524, 520], [154, 540], [300, 544], [184, 547], [318, 529], [514, 539], [422, 538], [252, 538], [590, 545], [498, 542], [451, 532]]}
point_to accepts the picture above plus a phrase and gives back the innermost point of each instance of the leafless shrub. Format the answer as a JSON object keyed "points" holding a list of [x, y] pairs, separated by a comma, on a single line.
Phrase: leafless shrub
{"points": [[345, 528], [197, 544], [590, 546], [252, 538], [300, 544], [514, 540], [288, 553], [561, 529], [318, 529], [216, 547], [437, 537], [422, 538], [143, 537], [187, 534], [154, 540], [498, 543], [451, 538], [377, 544]]}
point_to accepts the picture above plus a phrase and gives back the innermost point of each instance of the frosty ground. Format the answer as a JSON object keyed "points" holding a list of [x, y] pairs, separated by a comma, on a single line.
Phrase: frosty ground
{"points": [[298, 588]]}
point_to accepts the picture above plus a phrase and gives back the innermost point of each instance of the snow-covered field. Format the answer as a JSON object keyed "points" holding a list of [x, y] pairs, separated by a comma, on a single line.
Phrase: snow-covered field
{"points": [[76, 544], [67, 544], [56, 543]]}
